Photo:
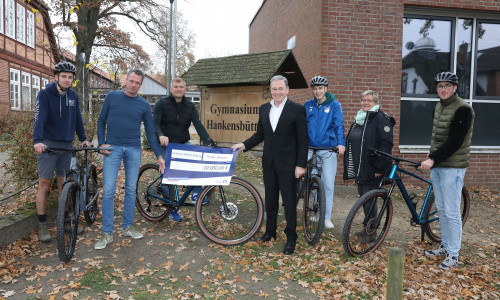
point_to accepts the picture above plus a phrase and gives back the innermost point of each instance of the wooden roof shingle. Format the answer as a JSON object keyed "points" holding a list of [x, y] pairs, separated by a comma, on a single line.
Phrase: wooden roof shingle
{"points": [[246, 69]]}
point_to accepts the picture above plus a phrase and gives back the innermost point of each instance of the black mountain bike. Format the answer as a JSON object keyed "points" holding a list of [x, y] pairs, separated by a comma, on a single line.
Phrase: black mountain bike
{"points": [[311, 189], [79, 193]]}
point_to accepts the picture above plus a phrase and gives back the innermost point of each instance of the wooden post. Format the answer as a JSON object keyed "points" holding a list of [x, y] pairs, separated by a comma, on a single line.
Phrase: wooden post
{"points": [[395, 272]]}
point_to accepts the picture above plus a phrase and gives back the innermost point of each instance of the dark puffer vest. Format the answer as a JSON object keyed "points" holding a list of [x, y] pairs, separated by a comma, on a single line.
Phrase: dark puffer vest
{"points": [[443, 116], [175, 124]]}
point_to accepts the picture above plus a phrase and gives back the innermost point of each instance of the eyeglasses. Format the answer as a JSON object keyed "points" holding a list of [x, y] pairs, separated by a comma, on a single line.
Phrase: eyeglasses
{"points": [[444, 87]]}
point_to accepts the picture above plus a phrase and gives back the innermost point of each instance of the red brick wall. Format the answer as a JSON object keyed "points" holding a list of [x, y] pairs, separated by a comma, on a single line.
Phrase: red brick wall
{"points": [[360, 48]]}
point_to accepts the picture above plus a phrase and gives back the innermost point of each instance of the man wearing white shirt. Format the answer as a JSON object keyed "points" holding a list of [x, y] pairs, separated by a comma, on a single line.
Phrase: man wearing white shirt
{"points": [[283, 128]]}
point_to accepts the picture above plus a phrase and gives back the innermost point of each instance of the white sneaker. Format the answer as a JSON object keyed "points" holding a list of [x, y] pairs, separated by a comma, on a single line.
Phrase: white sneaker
{"points": [[329, 224], [129, 231], [104, 241]]}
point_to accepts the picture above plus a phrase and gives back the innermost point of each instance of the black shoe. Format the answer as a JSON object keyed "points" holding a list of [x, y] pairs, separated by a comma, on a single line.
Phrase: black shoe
{"points": [[289, 248], [267, 237]]}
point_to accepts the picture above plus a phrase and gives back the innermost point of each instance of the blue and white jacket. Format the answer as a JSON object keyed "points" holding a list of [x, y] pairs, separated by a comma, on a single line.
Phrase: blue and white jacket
{"points": [[325, 122], [57, 116]]}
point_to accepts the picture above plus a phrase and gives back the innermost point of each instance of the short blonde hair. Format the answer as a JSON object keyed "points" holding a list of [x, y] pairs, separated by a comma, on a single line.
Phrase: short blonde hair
{"points": [[373, 93]]}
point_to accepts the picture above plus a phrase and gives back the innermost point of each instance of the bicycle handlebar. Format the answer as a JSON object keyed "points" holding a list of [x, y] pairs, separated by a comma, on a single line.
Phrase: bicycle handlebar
{"points": [[334, 149], [415, 164], [79, 149]]}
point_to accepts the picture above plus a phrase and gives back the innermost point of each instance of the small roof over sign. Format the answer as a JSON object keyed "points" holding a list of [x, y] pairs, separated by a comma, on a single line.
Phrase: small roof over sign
{"points": [[246, 69]]}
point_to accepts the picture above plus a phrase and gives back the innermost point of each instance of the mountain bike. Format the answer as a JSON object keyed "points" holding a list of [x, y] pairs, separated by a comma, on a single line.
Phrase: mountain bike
{"points": [[369, 219], [230, 215], [311, 189], [80, 192]]}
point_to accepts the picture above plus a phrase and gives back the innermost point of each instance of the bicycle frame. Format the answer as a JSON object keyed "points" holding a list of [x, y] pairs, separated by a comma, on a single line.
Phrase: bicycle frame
{"points": [[178, 202]]}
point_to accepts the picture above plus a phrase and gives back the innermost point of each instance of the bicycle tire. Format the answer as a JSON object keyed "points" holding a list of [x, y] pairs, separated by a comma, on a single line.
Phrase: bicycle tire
{"points": [[314, 209], [91, 194], [242, 219], [361, 236], [433, 229], [149, 193], [66, 239]]}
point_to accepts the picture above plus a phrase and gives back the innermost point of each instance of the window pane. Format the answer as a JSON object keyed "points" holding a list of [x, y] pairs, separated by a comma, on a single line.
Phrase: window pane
{"points": [[486, 125], [416, 122], [464, 54], [426, 52], [488, 61]]}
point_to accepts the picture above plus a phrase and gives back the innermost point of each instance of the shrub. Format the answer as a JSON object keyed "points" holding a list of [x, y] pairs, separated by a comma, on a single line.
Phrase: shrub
{"points": [[22, 157]]}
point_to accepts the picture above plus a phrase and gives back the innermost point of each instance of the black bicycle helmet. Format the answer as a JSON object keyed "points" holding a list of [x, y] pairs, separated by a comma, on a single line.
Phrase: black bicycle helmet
{"points": [[446, 76], [64, 66], [319, 80]]}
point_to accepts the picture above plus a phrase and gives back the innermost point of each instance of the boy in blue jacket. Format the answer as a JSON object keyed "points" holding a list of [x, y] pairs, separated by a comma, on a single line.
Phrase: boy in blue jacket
{"points": [[57, 117], [325, 124]]}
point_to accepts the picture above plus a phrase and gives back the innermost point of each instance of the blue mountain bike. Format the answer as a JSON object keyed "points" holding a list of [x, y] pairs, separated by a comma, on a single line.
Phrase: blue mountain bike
{"points": [[369, 220]]}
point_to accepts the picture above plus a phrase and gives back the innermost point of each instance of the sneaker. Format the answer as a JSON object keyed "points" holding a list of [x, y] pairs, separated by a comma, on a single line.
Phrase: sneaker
{"points": [[449, 262], [441, 251], [131, 232], [104, 241], [328, 224], [205, 201], [370, 238], [175, 216], [43, 232], [314, 219]]}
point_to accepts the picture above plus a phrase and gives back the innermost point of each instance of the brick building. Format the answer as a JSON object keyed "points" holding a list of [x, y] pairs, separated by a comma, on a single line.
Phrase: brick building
{"points": [[27, 52], [396, 48]]}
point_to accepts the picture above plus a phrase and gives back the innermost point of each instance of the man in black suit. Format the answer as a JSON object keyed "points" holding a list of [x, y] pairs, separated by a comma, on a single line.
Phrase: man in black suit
{"points": [[283, 128]]}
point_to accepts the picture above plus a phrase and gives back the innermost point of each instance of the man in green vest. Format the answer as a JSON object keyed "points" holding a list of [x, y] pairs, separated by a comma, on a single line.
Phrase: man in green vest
{"points": [[448, 160]]}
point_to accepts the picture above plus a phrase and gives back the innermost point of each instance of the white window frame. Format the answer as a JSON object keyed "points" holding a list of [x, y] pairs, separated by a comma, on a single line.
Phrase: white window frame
{"points": [[404, 148], [21, 23], [45, 81], [35, 88], [26, 88], [30, 29], [1, 16], [15, 89], [10, 18]]}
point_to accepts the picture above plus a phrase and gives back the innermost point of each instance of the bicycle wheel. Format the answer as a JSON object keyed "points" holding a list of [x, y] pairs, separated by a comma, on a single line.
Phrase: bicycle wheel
{"points": [[313, 215], [364, 233], [233, 215], [67, 221], [91, 195], [432, 228], [150, 194]]}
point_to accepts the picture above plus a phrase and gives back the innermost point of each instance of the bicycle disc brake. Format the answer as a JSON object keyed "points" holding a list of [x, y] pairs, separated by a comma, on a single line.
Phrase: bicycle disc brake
{"points": [[232, 211]]}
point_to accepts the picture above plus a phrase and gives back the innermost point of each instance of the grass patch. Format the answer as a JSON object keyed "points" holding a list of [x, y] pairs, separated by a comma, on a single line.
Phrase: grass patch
{"points": [[99, 280]]}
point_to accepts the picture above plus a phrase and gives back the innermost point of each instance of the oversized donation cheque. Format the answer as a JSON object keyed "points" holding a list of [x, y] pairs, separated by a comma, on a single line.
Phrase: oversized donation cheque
{"points": [[198, 165]]}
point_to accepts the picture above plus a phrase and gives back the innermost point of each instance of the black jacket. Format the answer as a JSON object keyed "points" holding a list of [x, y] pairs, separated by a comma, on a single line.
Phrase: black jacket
{"points": [[287, 146], [378, 134]]}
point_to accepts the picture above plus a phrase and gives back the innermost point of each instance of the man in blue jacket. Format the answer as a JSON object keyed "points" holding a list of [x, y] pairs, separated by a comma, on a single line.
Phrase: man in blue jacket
{"points": [[57, 117], [325, 124]]}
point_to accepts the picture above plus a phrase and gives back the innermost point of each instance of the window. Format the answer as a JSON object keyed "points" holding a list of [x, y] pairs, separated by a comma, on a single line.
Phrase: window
{"points": [[30, 29], [468, 46], [21, 23], [26, 90], [45, 81], [10, 21], [35, 88], [15, 100], [1, 16]]}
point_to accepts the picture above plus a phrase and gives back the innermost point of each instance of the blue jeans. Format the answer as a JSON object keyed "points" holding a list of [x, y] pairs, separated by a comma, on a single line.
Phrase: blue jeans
{"points": [[448, 183], [131, 157], [327, 160]]}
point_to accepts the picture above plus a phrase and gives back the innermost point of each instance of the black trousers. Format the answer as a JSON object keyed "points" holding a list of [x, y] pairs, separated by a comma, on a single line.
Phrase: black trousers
{"points": [[284, 182]]}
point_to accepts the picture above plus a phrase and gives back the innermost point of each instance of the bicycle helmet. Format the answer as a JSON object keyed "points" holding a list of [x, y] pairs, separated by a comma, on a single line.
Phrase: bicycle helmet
{"points": [[446, 76], [319, 80], [64, 66]]}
